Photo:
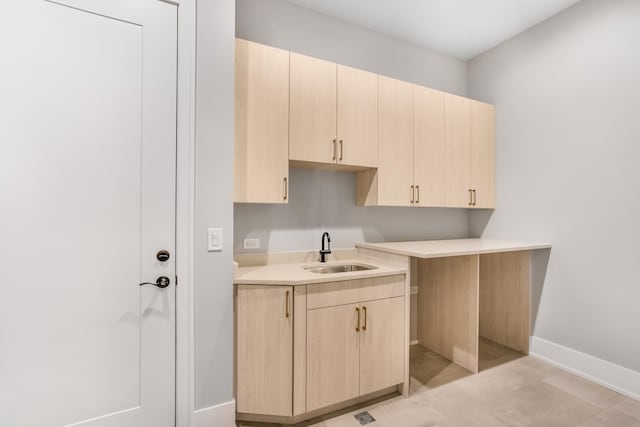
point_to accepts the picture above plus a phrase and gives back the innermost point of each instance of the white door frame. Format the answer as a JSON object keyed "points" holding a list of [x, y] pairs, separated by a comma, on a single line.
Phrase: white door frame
{"points": [[185, 211]]}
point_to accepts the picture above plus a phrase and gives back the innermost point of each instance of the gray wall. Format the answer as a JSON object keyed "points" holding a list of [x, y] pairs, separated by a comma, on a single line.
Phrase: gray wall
{"points": [[326, 200], [214, 202], [291, 27], [568, 145]]}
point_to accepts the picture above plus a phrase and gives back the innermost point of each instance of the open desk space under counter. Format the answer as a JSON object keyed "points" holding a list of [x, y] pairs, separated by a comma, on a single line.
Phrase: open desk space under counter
{"points": [[466, 289]]}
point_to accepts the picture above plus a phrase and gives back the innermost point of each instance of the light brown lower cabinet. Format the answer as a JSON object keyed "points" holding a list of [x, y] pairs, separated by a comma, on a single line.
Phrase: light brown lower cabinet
{"points": [[333, 372], [382, 344], [264, 349], [330, 342], [354, 350]]}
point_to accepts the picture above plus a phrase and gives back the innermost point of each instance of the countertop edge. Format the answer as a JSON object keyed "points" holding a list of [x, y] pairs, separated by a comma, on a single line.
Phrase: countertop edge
{"points": [[442, 254], [336, 277]]}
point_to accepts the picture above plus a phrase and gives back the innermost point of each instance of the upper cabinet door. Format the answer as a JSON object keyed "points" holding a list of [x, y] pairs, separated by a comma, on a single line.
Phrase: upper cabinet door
{"points": [[395, 144], [457, 154], [483, 136], [261, 123], [357, 117], [428, 147], [312, 125]]}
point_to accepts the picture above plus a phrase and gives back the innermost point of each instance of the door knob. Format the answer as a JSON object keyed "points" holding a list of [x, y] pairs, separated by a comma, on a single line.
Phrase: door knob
{"points": [[163, 255], [161, 282]]}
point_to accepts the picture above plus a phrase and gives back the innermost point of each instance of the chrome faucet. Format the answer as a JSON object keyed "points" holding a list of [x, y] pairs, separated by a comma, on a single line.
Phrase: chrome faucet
{"points": [[324, 252]]}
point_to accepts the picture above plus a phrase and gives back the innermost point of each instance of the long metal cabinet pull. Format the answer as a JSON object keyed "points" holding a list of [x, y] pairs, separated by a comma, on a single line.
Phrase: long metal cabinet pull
{"points": [[286, 189], [364, 328], [287, 311], [413, 194], [474, 197], [334, 150], [358, 326], [417, 194], [470, 198], [341, 150]]}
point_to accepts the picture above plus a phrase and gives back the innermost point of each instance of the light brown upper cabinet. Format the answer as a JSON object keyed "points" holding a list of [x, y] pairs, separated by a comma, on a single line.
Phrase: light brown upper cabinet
{"points": [[428, 147], [458, 152], [357, 112], [483, 137], [411, 148], [470, 152], [261, 123], [392, 183], [333, 113], [355, 339]]}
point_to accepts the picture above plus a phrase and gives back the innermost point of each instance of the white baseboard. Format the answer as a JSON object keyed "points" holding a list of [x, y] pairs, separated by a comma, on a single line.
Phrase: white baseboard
{"points": [[223, 415], [607, 374]]}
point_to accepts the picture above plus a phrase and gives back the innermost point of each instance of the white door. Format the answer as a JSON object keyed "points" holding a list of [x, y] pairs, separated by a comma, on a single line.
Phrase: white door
{"points": [[87, 199]]}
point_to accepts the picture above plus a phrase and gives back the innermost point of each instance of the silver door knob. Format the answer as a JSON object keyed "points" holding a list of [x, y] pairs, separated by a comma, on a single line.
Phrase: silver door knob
{"points": [[161, 282]]}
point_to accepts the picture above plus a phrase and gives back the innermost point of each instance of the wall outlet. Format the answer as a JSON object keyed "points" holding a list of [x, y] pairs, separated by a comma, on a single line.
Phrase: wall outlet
{"points": [[251, 243], [214, 239]]}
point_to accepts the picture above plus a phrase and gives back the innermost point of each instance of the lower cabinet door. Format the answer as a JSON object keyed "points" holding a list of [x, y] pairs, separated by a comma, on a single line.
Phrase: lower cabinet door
{"points": [[264, 353], [381, 344], [332, 355]]}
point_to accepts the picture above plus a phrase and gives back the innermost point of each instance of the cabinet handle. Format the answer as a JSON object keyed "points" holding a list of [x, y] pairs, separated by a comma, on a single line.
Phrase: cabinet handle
{"points": [[358, 326], [412, 194], [417, 194], [470, 198], [341, 150], [364, 328], [474, 197], [334, 150], [287, 304], [286, 189]]}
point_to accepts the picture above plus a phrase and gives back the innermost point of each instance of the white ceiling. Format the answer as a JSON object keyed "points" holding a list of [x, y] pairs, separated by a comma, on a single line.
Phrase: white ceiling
{"points": [[460, 28]]}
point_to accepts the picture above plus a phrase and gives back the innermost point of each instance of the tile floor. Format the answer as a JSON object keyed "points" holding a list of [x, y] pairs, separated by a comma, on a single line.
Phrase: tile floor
{"points": [[511, 390]]}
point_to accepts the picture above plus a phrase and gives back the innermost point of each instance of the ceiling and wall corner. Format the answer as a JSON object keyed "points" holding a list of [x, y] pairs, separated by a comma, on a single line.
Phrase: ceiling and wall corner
{"points": [[286, 25], [459, 28]]}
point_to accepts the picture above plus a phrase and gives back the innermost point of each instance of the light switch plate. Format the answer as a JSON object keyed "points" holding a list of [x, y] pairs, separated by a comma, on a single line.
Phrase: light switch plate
{"points": [[214, 239], [251, 244]]}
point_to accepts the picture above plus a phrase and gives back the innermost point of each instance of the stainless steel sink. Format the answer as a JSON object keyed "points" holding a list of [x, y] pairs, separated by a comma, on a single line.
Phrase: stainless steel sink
{"points": [[339, 268]]}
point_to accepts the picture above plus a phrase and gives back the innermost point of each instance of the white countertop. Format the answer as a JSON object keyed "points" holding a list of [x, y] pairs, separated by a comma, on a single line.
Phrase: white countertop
{"points": [[456, 247], [294, 274]]}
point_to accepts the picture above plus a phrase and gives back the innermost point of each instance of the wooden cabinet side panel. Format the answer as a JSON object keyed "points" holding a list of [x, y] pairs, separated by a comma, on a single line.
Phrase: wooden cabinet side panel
{"points": [[504, 299], [264, 339], [382, 344], [395, 142], [448, 308], [261, 123], [429, 147], [300, 350], [457, 152], [483, 136], [332, 356], [367, 187], [357, 117], [312, 125]]}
